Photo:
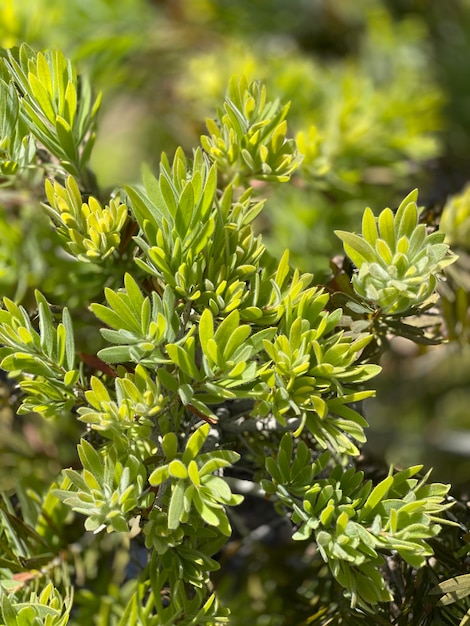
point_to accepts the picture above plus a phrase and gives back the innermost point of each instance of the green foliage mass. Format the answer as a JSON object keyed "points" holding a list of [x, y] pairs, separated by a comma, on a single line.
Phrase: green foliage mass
{"points": [[366, 121], [187, 312]]}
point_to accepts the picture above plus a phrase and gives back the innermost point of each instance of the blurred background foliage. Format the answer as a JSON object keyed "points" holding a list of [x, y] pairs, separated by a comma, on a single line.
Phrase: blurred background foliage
{"points": [[380, 104]]}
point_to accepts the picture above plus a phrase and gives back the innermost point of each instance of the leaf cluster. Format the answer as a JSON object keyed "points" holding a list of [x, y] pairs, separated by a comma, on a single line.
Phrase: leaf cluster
{"points": [[91, 232], [355, 523], [58, 112], [43, 357], [250, 136], [30, 536], [397, 260], [105, 491], [17, 147], [193, 484]]}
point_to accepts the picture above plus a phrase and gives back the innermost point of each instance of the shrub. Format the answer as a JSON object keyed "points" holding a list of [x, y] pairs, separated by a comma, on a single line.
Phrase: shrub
{"points": [[182, 316]]}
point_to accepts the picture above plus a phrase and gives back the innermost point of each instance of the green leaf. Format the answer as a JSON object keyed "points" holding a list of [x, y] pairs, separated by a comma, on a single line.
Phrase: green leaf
{"points": [[177, 469], [193, 473], [303, 533], [27, 363], [167, 380], [213, 354], [159, 475], [283, 269], [387, 227], [236, 339], [120, 303], [227, 328], [90, 459], [406, 220], [170, 445], [217, 459], [209, 192], [154, 193], [185, 210], [69, 339], [43, 72], [66, 139], [384, 251], [90, 481], [71, 377], [62, 72], [219, 488], [143, 209], [401, 477], [70, 103], [195, 443], [108, 316], [377, 495], [41, 97], [176, 507], [235, 118], [206, 330], [182, 359], [46, 329], [61, 341], [357, 249], [168, 193], [205, 511], [454, 589], [115, 354], [136, 299]]}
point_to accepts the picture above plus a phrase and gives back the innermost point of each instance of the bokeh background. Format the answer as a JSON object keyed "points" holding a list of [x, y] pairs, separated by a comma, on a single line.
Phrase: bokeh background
{"points": [[380, 104]]}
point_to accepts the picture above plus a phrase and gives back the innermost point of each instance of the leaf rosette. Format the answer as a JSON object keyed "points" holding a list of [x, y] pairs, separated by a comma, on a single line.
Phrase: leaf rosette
{"points": [[397, 260]]}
